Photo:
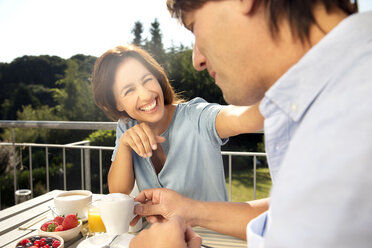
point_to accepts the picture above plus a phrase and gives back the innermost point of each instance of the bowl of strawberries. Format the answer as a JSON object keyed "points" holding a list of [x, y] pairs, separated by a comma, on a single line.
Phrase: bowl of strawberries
{"points": [[66, 227]]}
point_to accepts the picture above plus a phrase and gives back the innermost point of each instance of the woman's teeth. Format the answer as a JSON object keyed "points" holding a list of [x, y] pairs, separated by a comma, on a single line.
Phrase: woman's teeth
{"points": [[149, 107]]}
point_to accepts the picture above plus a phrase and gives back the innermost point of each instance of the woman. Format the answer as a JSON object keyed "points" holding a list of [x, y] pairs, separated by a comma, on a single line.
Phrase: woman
{"points": [[163, 141]]}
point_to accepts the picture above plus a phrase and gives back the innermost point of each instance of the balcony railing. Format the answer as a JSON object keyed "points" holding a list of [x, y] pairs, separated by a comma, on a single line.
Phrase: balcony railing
{"points": [[85, 149]]}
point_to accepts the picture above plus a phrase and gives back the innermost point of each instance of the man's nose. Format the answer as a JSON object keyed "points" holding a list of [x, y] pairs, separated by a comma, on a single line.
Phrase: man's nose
{"points": [[198, 60]]}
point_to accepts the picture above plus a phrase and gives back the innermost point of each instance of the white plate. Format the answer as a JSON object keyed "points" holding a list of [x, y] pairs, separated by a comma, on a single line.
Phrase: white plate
{"points": [[98, 241]]}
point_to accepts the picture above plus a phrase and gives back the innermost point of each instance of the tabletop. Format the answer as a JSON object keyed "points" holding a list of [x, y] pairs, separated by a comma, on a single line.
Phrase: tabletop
{"points": [[11, 219]]}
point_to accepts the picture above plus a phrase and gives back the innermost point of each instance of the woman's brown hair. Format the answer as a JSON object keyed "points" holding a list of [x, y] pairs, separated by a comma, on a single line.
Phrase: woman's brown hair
{"points": [[104, 76]]}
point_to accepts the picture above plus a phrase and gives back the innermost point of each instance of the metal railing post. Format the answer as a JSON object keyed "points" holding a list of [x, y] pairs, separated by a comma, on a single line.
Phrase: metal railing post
{"points": [[15, 166], [87, 168], [64, 169], [230, 179], [47, 168], [30, 168], [100, 172], [254, 176], [82, 167]]}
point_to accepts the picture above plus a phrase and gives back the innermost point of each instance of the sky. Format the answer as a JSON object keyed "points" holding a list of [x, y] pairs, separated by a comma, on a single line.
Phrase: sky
{"points": [[68, 27]]}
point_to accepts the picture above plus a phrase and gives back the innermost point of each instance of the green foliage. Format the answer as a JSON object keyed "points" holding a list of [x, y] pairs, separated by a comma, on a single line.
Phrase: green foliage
{"points": [[189, 82], [155, 45], [137, 32], [29, 70], [74, 97], [102, 138], [242, 184], [31, 134]]}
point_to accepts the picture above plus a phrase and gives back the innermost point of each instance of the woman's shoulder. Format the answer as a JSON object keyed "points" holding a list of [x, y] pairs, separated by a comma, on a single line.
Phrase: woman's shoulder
{"points": [[124, 124], [193, 103]]}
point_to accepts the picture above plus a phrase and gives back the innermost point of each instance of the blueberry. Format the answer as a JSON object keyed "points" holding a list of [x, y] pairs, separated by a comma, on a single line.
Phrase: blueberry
{"points": [[19, 246], [49, 240], [28, 244]]}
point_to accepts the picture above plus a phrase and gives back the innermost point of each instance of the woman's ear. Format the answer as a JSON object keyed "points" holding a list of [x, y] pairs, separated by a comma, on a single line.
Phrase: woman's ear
{"points": [[247, 6]]}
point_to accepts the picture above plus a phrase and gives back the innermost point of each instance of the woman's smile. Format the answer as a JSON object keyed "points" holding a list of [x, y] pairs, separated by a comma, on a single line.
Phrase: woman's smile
{"points": [[150, 107]]}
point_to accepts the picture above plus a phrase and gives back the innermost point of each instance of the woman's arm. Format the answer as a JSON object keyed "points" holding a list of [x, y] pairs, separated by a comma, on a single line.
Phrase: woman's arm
{"points": [[233, 120], [121, 176], [140, 139]]}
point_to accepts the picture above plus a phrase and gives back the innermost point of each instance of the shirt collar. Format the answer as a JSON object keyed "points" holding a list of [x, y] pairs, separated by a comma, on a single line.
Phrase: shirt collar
{"points": [[294, 92]]}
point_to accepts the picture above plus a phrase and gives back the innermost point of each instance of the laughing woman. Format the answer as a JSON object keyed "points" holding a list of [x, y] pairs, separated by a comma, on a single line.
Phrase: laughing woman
{"points": [[161, 140]]}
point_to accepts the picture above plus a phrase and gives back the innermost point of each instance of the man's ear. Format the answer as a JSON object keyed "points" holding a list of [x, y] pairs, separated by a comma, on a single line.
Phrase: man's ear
{"points": [[247, 6]]}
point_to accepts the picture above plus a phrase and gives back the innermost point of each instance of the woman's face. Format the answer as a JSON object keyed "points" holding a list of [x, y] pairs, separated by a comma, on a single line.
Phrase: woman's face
{"points": [[138, 92]]}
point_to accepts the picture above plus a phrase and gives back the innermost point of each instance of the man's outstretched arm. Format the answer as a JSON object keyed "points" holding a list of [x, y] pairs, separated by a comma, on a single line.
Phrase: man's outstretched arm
{"points": [[224, 217]]}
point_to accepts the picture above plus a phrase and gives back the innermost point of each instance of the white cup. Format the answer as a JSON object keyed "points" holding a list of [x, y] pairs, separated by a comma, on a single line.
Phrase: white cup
{"points": [[73, 202], [116, 210]]}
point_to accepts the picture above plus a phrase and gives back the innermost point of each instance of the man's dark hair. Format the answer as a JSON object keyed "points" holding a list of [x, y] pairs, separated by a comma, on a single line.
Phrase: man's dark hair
{"points": [[299, 13]]}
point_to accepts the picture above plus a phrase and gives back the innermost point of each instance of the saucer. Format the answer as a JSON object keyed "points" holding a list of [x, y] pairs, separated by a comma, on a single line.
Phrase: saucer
{"points": [[100, 240]]}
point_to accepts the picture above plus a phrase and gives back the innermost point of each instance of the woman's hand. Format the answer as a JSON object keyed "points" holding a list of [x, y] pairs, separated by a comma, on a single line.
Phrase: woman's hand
{"points": [[141, 139]]}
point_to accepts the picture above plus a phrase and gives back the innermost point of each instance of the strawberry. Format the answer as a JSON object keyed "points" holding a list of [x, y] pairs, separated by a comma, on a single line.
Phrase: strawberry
{"points": [[45, 225], [59, 219], [70, 221], [52, 226], [59, 228]]}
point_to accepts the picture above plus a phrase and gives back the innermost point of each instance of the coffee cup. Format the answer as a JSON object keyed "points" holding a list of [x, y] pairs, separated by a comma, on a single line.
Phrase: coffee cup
{"points": [[116, 210], [73, 202]]}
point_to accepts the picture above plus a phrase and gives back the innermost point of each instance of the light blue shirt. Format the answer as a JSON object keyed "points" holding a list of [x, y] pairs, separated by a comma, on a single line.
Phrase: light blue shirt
{"points": [[194, 165], [318, 130]]}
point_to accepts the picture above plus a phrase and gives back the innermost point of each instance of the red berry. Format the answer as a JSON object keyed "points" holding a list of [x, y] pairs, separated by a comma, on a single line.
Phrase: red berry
{"points": [[52, 226], [24, 242], [70, 221], [56, 243], [59, 228], [45, 225], [42, 242], [59, 219], [37, 243], [46, 246]]}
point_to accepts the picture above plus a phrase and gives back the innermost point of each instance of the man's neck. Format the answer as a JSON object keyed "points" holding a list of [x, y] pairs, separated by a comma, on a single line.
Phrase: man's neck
{"points": [[325, 22], [289, 49]]}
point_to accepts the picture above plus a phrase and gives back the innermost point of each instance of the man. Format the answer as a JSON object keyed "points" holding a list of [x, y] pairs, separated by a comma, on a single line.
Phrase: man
{"points": [[310, 63]]}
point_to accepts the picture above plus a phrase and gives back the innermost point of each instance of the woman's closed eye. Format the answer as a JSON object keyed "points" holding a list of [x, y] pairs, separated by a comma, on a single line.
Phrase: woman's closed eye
{"points": [[126, 92], [148, 79]]}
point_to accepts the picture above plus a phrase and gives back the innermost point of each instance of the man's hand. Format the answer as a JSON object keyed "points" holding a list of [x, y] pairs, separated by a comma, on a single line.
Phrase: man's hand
{"points": [[161, 204], [173, 234]]}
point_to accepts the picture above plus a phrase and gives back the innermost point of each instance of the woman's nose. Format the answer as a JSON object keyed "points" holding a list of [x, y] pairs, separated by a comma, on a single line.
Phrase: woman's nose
{"points": [[198, 60], [144, 93]]}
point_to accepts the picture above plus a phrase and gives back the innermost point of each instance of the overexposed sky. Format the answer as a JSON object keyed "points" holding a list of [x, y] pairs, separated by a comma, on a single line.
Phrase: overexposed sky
{"points": [[69, 27]]}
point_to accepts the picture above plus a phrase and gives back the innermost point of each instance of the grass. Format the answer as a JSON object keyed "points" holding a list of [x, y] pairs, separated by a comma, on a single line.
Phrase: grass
{"points": [[242, 184]]}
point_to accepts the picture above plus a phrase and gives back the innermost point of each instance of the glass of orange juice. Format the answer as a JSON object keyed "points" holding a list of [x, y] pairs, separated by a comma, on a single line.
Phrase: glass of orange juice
{"points": [[95, 222]]}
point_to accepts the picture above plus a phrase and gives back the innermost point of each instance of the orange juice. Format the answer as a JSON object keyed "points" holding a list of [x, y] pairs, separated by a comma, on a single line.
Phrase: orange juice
{"points": [[95, 222]]}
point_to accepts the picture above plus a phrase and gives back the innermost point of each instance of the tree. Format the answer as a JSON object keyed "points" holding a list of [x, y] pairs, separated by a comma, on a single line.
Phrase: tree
{"points": [[137, 31], [155, 45]]}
